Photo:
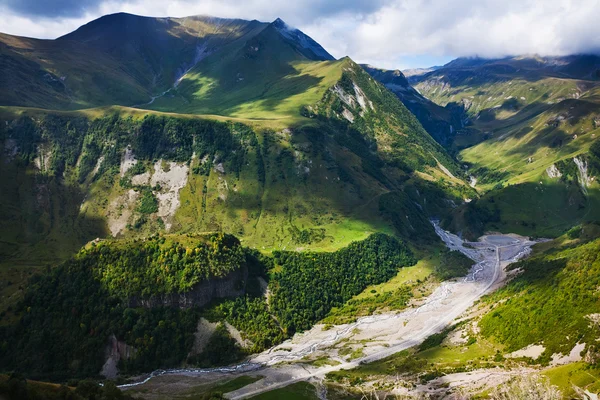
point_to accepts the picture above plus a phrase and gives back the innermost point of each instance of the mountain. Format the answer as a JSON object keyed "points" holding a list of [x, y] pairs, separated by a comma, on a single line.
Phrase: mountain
{"points": [[158, 51], [441, 123], [63, 75], [185, 192], [271, 74], [257, 161], [534, 124], [301, 42]]}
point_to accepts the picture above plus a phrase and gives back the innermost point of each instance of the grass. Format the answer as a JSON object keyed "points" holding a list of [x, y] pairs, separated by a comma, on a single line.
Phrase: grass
{"points": [[456, 356], [263, 78], [410, 283], [190, 389], [91, 77], [578, 374], [295, 391], [323, 361], [236, 384]]}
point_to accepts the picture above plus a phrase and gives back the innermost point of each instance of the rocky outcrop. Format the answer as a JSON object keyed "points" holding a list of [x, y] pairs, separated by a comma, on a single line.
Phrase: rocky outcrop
{"points": [[233, 285], [115, 351]]}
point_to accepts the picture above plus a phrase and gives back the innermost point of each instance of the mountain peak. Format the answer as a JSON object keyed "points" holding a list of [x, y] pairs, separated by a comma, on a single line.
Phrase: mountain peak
{"points": [[301, 41], [279, 23]]}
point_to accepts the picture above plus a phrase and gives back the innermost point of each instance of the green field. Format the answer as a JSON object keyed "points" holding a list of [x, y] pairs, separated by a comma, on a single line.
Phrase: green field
{"points": [[295, 391]]}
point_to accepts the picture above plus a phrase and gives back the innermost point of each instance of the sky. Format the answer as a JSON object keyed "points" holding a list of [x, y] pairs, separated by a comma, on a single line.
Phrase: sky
{"points": [[385, 33]]}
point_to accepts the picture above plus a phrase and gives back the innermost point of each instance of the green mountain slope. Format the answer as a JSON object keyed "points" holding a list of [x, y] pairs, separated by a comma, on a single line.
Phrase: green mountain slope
{"points": [[442, 123], [268, 76], [533, 121], [63, 75], [158, 51], [309, 148], [310, 162]]}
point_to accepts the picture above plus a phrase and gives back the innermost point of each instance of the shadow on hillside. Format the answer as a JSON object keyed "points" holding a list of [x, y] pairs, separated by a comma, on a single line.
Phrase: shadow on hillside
{"points": [[40, 219], [244, 79], [533, 209]]}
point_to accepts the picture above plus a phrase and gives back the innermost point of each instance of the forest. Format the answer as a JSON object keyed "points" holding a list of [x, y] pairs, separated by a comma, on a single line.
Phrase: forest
{"points": [[69, 312]]}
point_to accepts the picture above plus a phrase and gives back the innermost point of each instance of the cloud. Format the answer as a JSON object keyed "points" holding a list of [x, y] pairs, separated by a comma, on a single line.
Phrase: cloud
{"points": [[388, 33], [52, 8]]}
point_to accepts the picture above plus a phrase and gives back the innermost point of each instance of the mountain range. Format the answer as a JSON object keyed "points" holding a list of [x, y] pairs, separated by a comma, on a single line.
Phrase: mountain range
{"points": [[190, 191]]}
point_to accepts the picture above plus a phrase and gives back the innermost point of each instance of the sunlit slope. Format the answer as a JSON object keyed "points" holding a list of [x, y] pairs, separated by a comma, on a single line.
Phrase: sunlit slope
{"points": [[533, 124], [265, 77], [158, 51], [522, 150]]}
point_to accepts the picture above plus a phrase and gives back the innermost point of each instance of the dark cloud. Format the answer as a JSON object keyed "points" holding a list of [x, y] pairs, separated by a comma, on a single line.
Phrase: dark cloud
{"points": [[52, 8]]}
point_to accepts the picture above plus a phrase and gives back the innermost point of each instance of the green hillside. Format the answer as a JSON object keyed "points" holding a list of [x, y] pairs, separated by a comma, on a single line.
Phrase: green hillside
{"points": [[442, 123], [531, 120], [63, 75], [256, 161], [159, 51], [266, 77], [86, 299]]}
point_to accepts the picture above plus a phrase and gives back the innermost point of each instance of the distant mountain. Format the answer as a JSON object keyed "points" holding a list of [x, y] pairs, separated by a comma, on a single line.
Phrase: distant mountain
{"points": [[412, 72], [535, 125], [441, 122]]}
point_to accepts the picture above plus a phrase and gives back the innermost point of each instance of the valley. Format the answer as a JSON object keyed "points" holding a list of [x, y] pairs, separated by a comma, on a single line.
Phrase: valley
{"points": [[374, 337]]}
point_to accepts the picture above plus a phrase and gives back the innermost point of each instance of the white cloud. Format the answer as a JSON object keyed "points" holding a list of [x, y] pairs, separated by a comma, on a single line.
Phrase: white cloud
{"points": [[385, 32]]}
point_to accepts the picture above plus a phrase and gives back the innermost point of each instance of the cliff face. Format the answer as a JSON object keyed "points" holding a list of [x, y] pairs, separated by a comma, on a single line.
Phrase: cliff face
{"points": [[115, 351], [231, 286]]}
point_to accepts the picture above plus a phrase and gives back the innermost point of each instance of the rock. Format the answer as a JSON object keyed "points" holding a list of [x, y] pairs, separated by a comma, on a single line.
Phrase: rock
{"points": [[115, 351], [233, 285]]}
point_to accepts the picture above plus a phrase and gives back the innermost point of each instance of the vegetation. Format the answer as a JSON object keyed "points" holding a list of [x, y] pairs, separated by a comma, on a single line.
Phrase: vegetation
{"points": [[452, 264], [551, 302], [158, 266], [310, 284], [17, 387], [295, 391], [68, 314]]}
